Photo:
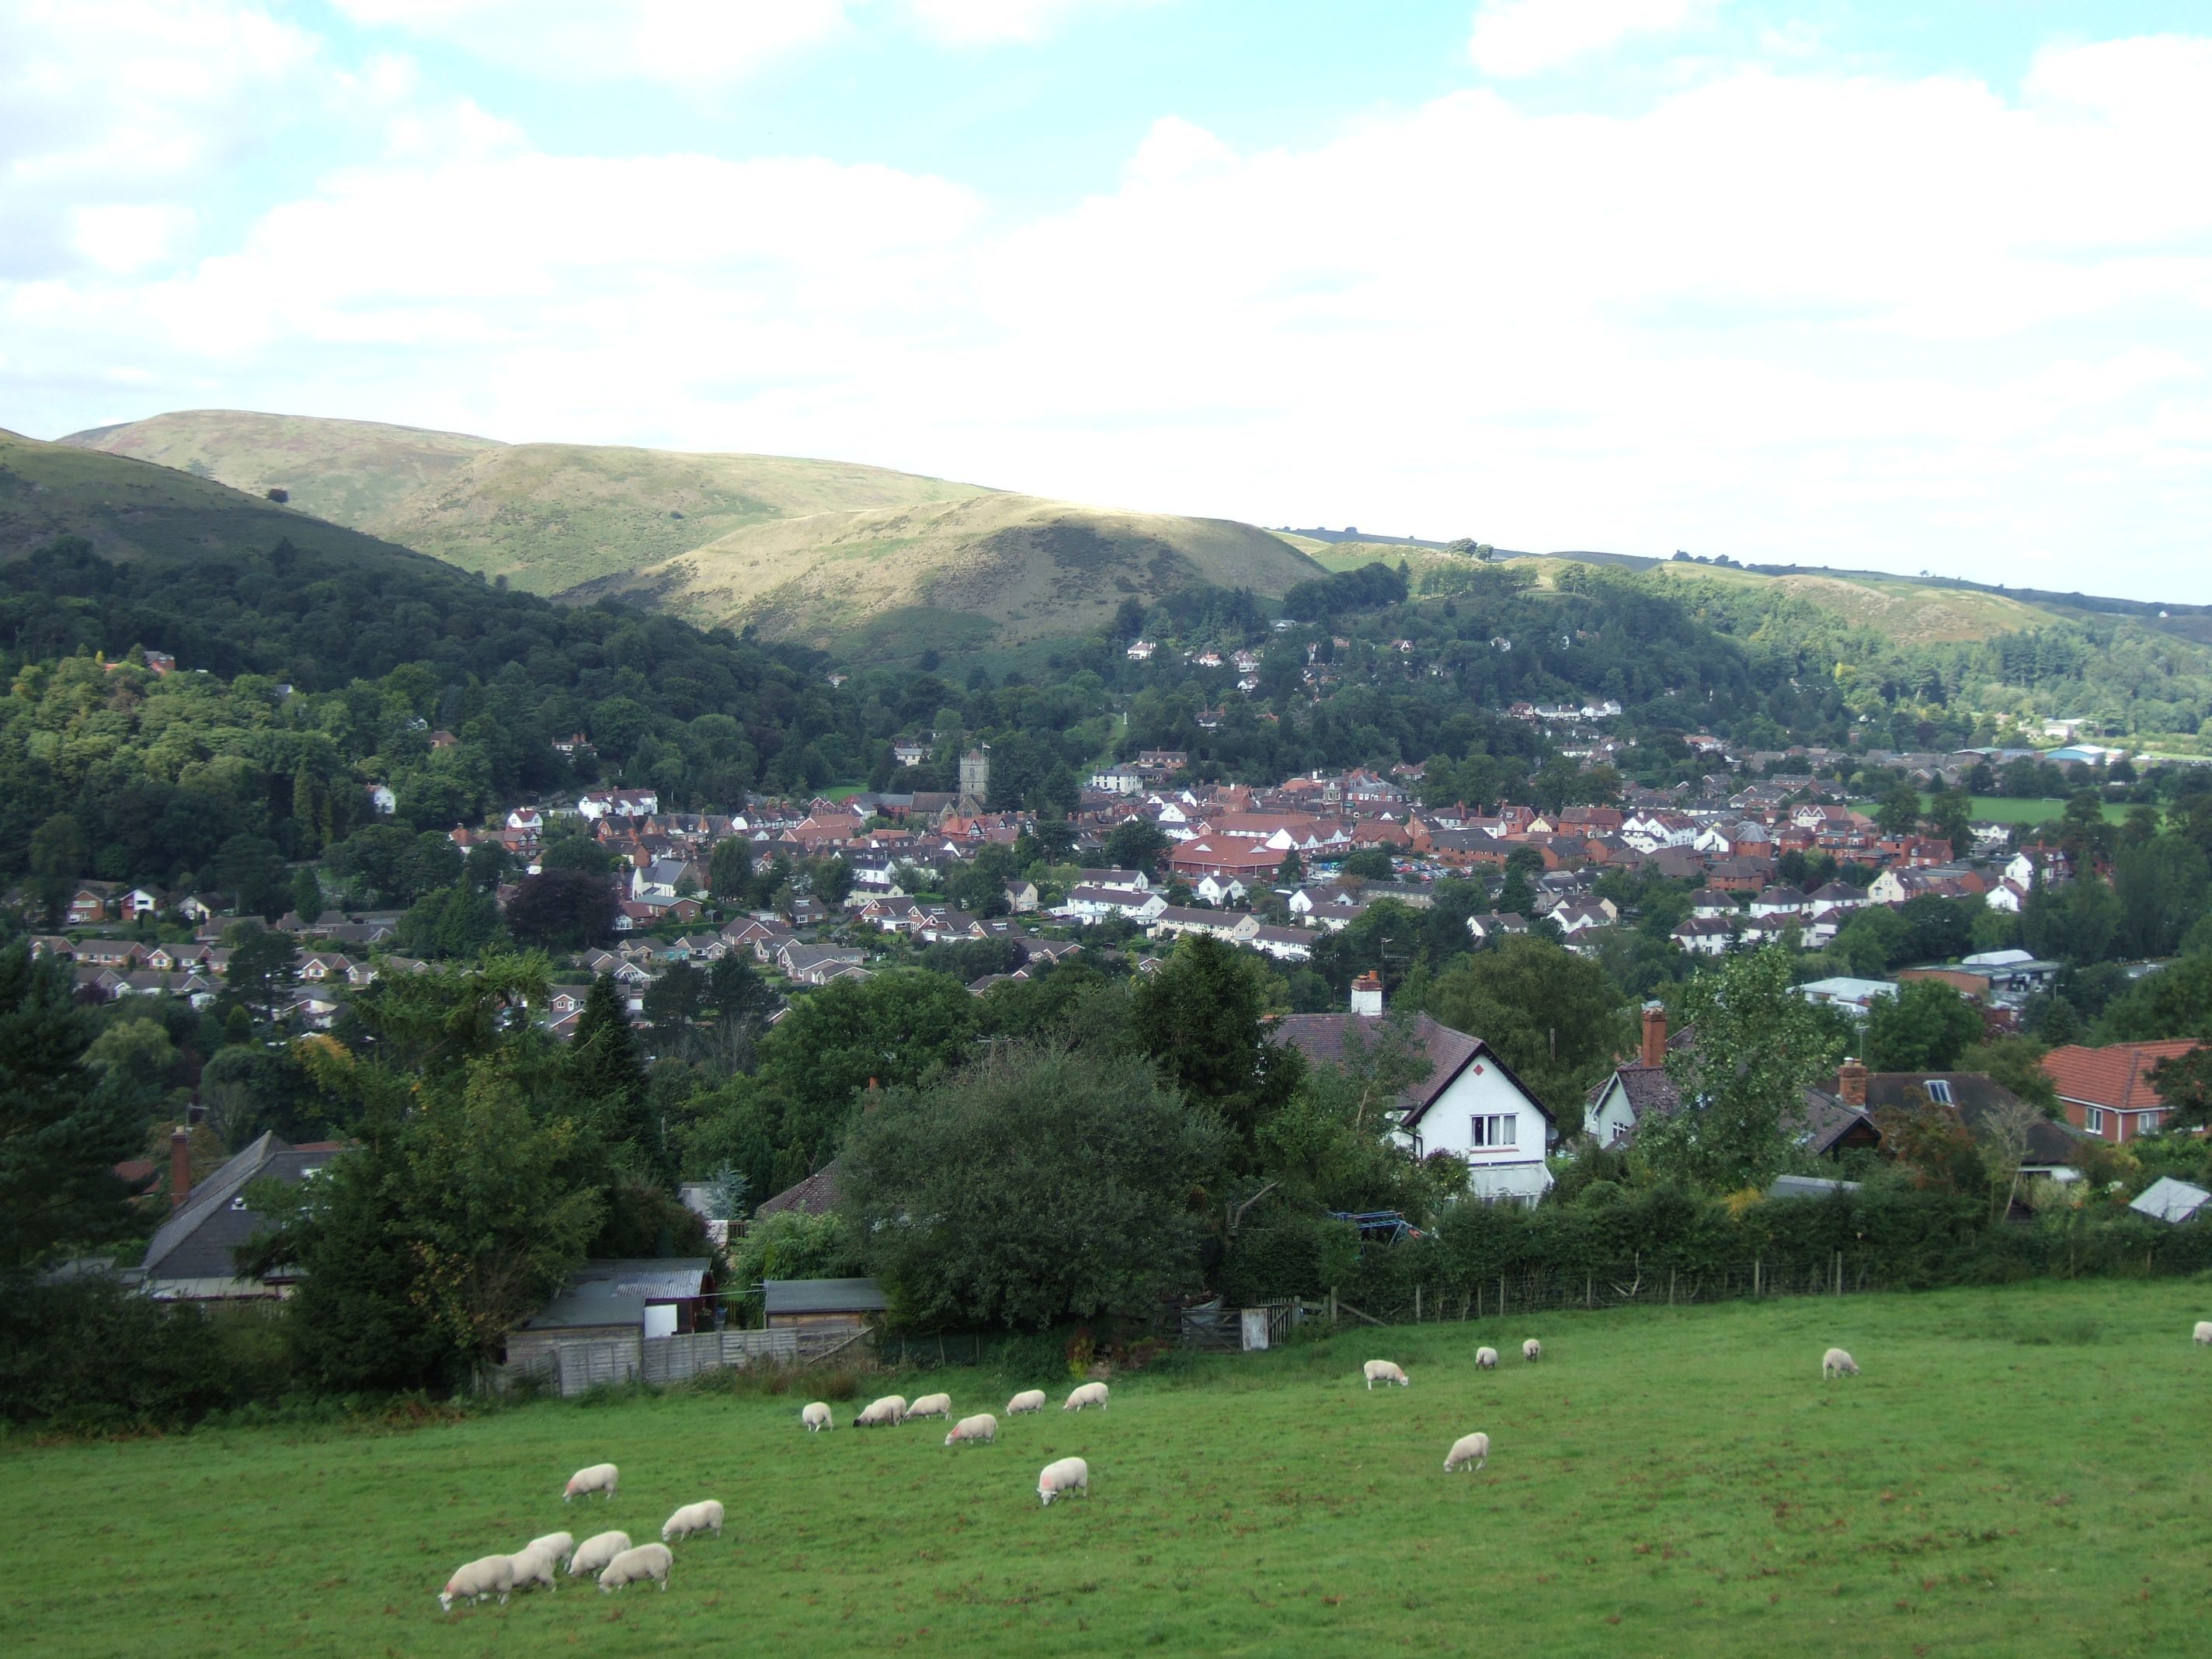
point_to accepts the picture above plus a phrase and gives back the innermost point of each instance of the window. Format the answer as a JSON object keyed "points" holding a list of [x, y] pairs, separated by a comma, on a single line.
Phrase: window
{"points": [[1939, 1090], [2094, 1121], [2147, 1123], [1495, 1129]]}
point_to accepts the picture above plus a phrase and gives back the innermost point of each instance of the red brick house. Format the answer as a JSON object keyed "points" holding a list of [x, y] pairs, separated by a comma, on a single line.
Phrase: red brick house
{"points": [[2107, 1092]]}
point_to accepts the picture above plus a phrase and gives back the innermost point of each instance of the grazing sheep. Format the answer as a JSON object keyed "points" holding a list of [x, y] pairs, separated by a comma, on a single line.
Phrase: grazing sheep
{"points": [[1532, 1351], [1486, 1359], [489, 1575], [561, 1546], [600, 1477], [596, 1552], [932, 1405], [1029, 1399], [704, 1517], [646, 1561], [891, 1409], [1469, 1451], [2204, 1331], [534, 1566], [1090, 1394], [981, 1427], [1836, 1363], [817, 1416], [1058, 1480], [1383, 1371]]}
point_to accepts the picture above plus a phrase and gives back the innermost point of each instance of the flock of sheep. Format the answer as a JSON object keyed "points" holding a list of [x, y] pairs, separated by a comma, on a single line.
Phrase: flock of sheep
{"points": [[611, 1557]]}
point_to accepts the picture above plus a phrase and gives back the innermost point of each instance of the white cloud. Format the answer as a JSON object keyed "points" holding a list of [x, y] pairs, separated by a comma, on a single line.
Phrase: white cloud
{"points": [[967, 22], [1524, 37]]}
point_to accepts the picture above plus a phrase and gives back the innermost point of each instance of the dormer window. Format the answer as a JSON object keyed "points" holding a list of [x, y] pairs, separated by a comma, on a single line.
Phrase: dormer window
{"points": [[1939, 1090]]}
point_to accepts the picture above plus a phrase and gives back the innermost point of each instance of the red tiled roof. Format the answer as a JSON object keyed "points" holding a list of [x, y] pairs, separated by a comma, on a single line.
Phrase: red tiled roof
{"points": [[2116, 1077]]}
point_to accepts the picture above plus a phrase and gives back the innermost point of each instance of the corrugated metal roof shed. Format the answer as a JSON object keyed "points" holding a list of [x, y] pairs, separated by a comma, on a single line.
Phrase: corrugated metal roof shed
{"points": [[817, 1295]]}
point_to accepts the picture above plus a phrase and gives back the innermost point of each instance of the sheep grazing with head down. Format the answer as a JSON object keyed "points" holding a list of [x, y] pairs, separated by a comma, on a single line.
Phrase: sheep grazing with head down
{"points": [[1468, 1451], [818, 1417], [596, 1552], [1385, 1372], [1058, 1480], [488, 1575], [932, 1405], [634, 1566], [1532, 1351], [533, 1565], [704, 1517], [561, 1546], [1090, 1394], [980, 1430], [2204, 1331], [1486, 1359], [1836, 1363], [882, 1413], [1029, 1399], [600, 1477]]}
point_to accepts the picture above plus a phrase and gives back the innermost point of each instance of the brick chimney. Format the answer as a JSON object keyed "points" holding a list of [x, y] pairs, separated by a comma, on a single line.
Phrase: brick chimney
{"points": [[1367, 994], [1851, 1083], [180, 1166], [1655, 1034]]}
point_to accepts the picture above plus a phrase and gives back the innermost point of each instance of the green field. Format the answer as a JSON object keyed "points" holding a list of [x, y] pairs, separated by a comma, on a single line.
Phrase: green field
{"points": [[2017, 1472], [2007, 808]]}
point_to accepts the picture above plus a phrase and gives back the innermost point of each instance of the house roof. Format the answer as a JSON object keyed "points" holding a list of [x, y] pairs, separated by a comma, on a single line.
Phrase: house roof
{"points": [[1974, 1096], [1322, 1037], [819, 1194], [670, 1279], [805, 1295], [2116, 1077], [199, 1239], [586, 1308]]}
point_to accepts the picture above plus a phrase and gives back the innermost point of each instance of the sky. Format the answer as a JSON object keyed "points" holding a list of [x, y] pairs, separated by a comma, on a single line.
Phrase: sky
{"points": [[1894, 286]]}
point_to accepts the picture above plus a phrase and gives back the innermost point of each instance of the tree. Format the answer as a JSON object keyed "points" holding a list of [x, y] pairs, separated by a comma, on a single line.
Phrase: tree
{"points": [[2174, 1002], [1199, 1017], [252, 870], [1369, 864], [730, 869], [306, 893], [2184, 1085], [1898, 814], [1291, 871], [263, 965], [1930, 1144], [602, 1065], [562, 909], [60, 1132], [1554, 1016], [450, 924], [578, 852], [676, 999], [1330, 1144], [1758, 1046], [1925, 1027], [1949, 814], [901, 1028], [1035, 1187], [1136, 845]]}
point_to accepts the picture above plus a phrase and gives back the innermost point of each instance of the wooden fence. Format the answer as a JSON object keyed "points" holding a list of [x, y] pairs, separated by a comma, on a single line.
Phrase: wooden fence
{"points": [[570, 1368]]}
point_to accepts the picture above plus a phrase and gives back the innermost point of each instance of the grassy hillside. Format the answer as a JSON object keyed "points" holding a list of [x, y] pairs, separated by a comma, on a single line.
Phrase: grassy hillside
{"points": [[1664, 1482], [134, 509], [1027, 567]]}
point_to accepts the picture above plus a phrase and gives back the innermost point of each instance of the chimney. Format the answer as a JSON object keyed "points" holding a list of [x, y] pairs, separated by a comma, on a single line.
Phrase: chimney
{"points": [[1851, 1083], [180, 1166], [1655, 1034], [1367, 994]]}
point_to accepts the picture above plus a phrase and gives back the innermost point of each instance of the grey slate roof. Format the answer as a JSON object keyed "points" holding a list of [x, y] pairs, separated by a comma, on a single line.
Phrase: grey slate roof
{"points": [[818, 1194], [807, 1296], [1974, 1095], [1321, 1037], [198, 1240]]}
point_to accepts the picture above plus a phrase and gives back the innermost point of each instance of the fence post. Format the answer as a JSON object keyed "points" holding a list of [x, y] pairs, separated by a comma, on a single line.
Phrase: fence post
{"points": [[1501, 1296], [1839, 1273], [1416, 1304], [1589, 1290], [1332, 1304], [1755, 1265], [1670, 1287]]}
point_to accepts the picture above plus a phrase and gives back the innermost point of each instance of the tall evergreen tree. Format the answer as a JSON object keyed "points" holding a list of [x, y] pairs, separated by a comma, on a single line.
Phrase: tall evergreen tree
{"points": [[603, 1066]]}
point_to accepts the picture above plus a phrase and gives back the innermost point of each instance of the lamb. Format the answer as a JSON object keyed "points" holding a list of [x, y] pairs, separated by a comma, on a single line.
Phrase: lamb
{"points": [[596, 1552], [1836, 1363], [1090, 1394], [1532, 1351], [891, 1408], [1383, 1371], [817, 1416], [1468, 1451], [1058, 1480], [561, 1546], [981, 1427], [2204, 1331], [932, 1405], [646, 1561], [1029, 1399], [1486, 1359], [533, 1565], [600, 1477], [488, 1575], [704, 1517]]}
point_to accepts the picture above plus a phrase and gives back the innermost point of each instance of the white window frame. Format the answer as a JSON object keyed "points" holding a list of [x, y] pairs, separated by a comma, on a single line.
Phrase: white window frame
{"points": [[2092, 1120], [1494, 1132], [1939, 1090], [2147, 1122]]}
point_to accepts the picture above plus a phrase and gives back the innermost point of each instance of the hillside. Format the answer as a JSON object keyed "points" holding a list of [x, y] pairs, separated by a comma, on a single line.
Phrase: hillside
{"points": [[1014, 567]]}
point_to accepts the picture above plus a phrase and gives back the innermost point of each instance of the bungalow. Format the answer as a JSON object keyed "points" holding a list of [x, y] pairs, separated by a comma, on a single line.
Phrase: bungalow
{"points": [[191, 1255], [1494, 925]]}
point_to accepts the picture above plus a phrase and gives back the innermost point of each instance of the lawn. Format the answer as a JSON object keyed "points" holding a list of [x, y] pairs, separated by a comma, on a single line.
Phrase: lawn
{"points": [[2007, 808], [2017, 1472]]}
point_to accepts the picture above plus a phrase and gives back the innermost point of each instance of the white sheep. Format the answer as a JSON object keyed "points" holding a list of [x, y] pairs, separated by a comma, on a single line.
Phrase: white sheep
{"points": [[1090, 1394], [1486, 1359], [533, 1565], [932, 1405], [488, 1575], [982, 1427], [818, 1417], [1385, 1372], [1469, 1451], [600, 1477], [560, 1545], [1029, 1399], [1836, 1363], [1532, 1351], [1058, 1480], [703, 1517], [646, 1561], [2204, 1331], [596, 1552], [891, 1408]]}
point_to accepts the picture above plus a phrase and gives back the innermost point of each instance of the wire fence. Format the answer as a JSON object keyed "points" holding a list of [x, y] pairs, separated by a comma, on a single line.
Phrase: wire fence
{"points": [[1629, 1284]]}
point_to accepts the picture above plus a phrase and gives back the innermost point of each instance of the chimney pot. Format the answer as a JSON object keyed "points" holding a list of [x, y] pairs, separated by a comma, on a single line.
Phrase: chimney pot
{"points": [[1655, 1034], [1367, 994], [1852, 1082], [180, 1166]]}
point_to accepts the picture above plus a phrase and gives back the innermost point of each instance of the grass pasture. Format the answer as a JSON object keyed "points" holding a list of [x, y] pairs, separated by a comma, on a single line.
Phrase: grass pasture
{"points": [[2009, 808], [2019, 1471]]}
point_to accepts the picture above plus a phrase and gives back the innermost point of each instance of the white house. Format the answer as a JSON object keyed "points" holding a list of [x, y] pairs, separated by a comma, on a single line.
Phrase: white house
{"points": [[619, 803], [1470, 1105], [1093, 904], [381, 801], [1220, 889], [1118, 780]]}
